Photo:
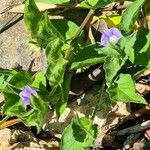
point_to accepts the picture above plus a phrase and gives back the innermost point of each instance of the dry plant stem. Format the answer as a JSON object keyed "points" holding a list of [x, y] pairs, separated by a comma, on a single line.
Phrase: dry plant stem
{"points": [[87, 18], [10, 22], [131, 130], [121, 7], [131, 139], [136, 114], [132, 116], [9, 123]]}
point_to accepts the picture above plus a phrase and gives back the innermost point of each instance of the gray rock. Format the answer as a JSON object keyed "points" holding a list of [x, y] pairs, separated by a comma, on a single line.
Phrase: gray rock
{"points": [[14, 50]]}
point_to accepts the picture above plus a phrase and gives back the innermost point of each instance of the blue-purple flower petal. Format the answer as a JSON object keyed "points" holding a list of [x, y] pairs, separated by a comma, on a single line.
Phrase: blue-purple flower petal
{"points": [[34, 93], [111, 35], [25, 95]]}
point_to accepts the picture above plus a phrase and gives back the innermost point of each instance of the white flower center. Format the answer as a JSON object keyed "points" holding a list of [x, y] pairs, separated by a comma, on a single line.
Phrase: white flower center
{"points": [[113, 39]]}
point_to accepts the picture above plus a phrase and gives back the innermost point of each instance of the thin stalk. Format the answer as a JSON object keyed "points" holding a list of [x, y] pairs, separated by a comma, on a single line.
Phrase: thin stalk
{"points": [[4, 119], [12, 86], [68, 53], [91, 12], [9, 123], [98, 101], [97, 105]]}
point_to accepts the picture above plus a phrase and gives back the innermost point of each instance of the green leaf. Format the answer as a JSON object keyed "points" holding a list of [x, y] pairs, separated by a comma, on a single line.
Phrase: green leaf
{"points": [[142, 48], [78, 135], [21, 79], [53, 1], [126, 44], [111, 66], [137, 51], [36, 116], [39, 81], [2, 85], [65, 27], [130, 15], [123, 89], [57, 64], [109, 50], [13, 106], [46, 31], [32, 16], [86, 57]]}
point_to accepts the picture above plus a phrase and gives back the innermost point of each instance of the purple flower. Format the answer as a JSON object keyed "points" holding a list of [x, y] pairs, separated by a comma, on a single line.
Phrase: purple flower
{"points": [[111, 35], [26, 93]]}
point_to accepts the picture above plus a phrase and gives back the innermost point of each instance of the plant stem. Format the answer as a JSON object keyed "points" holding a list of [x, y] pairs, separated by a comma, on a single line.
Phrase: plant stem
{"points": [[91, 12], [5, 124], [68, 53], [12, 86], [98, 101], [4, 119]]}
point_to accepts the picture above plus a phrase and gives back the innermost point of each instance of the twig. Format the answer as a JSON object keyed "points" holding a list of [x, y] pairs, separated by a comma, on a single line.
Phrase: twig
{"points": [[136, 114], [121, 7], [131, 130], [132, 116], [9, 123], [87, 18], [131, 139], [9, 24]]}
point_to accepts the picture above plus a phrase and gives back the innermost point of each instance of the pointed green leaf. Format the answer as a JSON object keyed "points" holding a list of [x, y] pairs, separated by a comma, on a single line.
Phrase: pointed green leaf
{"points": [[12, 104], [123, 89], [142, 48], [87, 56], [32, 16], [46, 31], [137, 51], [57, 64], [21, 79], [39, 81], [130, 15], [78, 135], [65, 27], [111, 66]]}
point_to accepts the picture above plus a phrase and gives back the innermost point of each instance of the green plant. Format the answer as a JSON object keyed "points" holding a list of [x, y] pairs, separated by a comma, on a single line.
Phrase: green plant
{"points": [[65, 53]]}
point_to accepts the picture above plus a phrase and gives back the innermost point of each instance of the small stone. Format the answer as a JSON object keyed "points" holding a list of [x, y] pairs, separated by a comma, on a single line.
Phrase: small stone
{"points": [[5, 136]]}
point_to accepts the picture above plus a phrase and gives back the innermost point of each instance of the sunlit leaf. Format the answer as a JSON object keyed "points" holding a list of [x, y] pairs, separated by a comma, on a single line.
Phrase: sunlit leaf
{"points": [[56, 62], [32, 16], [130, 16], [78, 135], [87, 56], [111, 66], [123, 89]]}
